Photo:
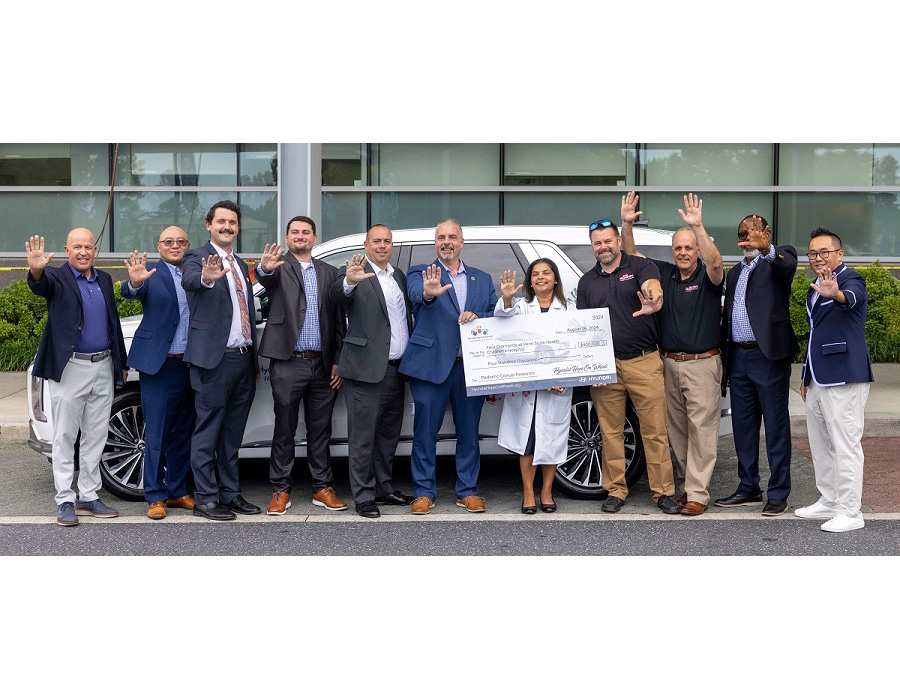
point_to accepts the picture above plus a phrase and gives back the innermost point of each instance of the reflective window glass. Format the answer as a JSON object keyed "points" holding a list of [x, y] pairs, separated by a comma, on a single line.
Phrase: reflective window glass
{"points": [[258, 163], [54, 164], [560, 208], [259, 211], [141, 216], [52, 215], [343, 164], [342, 213], [405, 210], [436, 164], [177, 164], [568, 164], [697, 164], [839, 164]]}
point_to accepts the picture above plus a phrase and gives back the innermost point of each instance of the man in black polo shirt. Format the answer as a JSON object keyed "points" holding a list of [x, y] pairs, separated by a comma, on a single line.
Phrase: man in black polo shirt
{"points": [[689, 337], [629, 287]]}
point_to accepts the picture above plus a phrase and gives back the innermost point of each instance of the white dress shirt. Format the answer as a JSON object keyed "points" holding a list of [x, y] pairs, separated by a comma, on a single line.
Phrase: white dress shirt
{"points": [[396, 307], [235, 335]]}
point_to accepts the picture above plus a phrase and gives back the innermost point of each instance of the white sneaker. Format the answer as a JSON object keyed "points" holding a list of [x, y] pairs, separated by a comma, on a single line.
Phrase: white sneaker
{"points": [[817, 511], [842, 523]]}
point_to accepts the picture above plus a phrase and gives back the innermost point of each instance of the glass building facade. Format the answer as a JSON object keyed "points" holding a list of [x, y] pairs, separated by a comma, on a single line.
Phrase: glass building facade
{"points": [[853, 189]]}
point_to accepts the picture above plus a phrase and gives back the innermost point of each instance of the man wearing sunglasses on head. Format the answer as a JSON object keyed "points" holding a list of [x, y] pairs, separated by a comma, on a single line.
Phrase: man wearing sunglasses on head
{"points": [[630, 288], [157, 352]]}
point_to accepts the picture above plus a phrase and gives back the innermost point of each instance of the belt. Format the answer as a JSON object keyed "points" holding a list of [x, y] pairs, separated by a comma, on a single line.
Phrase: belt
{"points": [[681, 356], [747, 345], [308, 354], [237, 350], [634, 355], [174, 356], [394, 362], [96, 356]]}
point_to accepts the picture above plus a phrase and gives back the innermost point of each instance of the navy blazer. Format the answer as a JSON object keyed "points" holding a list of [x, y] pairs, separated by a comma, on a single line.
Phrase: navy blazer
{"points": [[153, 339], [435, 340], [837, 352], [65, 317], [767, 299], [210, 310]]}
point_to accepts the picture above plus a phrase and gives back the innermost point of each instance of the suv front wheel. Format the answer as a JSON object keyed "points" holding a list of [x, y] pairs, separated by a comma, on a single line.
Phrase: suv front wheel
{"points": [[122, 462]]}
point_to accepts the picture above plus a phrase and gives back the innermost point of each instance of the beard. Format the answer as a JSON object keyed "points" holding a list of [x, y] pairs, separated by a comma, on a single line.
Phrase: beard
{"points": [[752, 253]]}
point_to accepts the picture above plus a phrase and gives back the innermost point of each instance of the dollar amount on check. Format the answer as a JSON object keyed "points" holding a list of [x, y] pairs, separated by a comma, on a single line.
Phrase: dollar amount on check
{"points": [[538, 351]]}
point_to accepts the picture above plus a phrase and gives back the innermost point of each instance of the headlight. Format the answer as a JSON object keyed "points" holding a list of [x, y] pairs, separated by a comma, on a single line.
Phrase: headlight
{"points": [[37, 398]]}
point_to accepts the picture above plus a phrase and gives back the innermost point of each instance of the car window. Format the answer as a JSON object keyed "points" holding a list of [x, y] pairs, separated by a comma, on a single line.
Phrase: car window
{"points": [[491, 258], [262, 305], [338, 259]]}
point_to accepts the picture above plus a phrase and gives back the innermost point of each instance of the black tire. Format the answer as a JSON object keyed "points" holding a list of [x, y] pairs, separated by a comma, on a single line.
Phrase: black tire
{"points": [[122, 463], [579, 475]]}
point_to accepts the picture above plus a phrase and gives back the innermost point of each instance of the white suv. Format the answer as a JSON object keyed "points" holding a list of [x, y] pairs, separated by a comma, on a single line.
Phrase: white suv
{"points": [[492, 249]]}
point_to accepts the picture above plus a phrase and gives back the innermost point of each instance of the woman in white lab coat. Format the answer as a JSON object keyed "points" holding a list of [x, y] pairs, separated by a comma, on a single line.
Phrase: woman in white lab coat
{"points": [[535, 424]]}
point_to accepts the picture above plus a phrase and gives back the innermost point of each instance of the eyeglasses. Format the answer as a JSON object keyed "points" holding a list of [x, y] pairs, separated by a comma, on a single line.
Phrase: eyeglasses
{"points": [[172, 242], [603, 222], [821, 254]]}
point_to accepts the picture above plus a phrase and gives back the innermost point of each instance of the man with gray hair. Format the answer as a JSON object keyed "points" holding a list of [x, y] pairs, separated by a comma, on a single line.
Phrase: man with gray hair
{"points": [[690, 335]]}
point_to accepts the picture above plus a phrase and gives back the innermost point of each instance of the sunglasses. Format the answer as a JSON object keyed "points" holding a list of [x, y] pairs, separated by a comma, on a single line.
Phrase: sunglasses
{"points": [[603, 222]]}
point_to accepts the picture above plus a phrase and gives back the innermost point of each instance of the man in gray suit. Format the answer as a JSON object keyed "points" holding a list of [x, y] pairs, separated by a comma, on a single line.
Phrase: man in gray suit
{"points": [[221, 348], [303, 341], [380, 321]]}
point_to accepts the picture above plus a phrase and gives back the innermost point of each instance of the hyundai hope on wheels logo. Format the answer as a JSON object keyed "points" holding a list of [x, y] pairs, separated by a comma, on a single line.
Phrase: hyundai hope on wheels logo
{"points": [[478, 331]]}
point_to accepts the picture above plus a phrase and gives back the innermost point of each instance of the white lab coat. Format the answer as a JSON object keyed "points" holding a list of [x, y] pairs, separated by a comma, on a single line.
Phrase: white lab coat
{"points": [[551, 429]]}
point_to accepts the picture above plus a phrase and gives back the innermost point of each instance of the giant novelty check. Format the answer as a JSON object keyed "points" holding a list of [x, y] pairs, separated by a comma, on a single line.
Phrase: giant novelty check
{"points": [[538, 351]]}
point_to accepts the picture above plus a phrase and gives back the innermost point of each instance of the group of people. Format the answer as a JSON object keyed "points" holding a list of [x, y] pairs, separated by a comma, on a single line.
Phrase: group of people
{"points": [[368, 328]]}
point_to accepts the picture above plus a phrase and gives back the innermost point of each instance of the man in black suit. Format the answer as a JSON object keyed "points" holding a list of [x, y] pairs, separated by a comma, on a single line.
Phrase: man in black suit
{"points": [[759, 345], [303, 341], [379, 318], [82, 354], [221, 348]]}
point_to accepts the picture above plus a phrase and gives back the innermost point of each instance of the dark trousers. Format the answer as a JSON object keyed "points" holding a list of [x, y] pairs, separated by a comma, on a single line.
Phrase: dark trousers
{"points": [[374, 418], [169, 415], [431, 404], [759, 390], [292, 380], [222, 397]]}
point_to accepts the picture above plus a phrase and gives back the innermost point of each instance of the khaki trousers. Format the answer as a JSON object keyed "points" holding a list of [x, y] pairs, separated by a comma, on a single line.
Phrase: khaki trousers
{"points": [[642, 380], [693, 405]]}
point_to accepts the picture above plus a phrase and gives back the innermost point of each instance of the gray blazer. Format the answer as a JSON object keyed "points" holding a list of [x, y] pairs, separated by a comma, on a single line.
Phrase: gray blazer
{"points": [[210, 310], [367, 344], [287, 311]]}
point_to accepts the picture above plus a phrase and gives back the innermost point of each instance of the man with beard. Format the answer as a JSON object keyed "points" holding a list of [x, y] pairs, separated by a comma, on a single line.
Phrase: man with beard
{"points": [[303, 342], [630, 288], [689, 337]]}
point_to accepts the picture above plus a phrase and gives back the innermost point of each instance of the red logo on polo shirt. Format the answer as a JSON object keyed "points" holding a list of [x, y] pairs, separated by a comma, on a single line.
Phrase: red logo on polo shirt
{"points": [[626, 277], [695, 287]]}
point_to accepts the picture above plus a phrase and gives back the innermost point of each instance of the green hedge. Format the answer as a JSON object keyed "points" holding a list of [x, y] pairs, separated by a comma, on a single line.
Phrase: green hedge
{"points": [[23, 316], [882, 317]]}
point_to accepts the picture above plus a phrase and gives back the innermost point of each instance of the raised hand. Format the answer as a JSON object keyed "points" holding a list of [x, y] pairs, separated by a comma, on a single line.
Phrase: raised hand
{"points": [[650, 303], [828, 284], [629, 204], [271, 257], [694, 207], [508, 287], [758, 236], [431, 283], [34, 251], [356, 271], [137, 269], [211, 269]]}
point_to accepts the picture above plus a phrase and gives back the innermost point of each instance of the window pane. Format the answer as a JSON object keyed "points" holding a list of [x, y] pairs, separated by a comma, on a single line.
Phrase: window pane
{"points": [[259, 211], [491, 258], [342, 164], [837, 164], [156, 164], [692, 164], [342, 213], [54, 164], [141, 216], [866, 223], [51, 215], [404, 210], [560, 208], [436, 164], [258, 163], [568, 164]]}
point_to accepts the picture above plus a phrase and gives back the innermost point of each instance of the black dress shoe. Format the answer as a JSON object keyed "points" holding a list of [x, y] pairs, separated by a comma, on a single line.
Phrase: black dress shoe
{"points": [[737, 499], [396, 498], [548, 508], [213, 511], [668, 505], [241, 505], [612, 505], [529, 510], [775, 507], [368, 509]]}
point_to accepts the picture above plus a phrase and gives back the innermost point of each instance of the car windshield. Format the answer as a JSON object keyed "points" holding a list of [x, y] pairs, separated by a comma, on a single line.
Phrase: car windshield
{"points": [[583, 255]]}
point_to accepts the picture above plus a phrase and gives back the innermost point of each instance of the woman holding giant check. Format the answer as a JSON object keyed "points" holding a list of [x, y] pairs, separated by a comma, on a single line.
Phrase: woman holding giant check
{"points": [[535, 424]]}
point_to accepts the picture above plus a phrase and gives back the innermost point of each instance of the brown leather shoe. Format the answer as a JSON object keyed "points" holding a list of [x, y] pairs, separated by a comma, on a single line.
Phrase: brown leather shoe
{"points": [[421, 506], [472, 503], [682, 500], [281, 502], [156, 510], [185, 502], [693, 509], [328, 498]]}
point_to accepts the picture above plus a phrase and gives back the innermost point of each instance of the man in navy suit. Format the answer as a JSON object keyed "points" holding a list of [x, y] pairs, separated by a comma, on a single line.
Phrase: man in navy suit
{"points": [[82, 354], [444, 295], [157, 352], [222, 350], [836, 377], [759, 345]]}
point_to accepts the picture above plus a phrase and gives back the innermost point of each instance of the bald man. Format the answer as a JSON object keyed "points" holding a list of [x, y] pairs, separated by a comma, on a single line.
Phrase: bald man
{"points": [[82, 355], [158, 353]]}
